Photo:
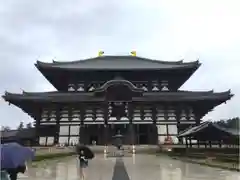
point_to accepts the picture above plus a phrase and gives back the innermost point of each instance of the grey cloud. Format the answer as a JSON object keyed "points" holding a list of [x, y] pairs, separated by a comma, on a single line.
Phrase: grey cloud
{"points": [[31, 30]]}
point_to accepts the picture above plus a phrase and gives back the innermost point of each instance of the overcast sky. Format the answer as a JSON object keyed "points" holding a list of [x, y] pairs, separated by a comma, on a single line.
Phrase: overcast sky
{"points": [[166, 30]]}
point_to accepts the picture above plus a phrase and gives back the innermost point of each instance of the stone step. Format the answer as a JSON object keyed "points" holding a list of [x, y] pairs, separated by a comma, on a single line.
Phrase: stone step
{"points": [[119, 154]]}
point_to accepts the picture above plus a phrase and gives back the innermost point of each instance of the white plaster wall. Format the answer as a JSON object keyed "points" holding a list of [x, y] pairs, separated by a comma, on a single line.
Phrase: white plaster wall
{"points": [[50, 140], [162, 129], [42, 141], [63, 130], [63, 140], [172, 129], [74, 140], [161, 139], [74, 130]]}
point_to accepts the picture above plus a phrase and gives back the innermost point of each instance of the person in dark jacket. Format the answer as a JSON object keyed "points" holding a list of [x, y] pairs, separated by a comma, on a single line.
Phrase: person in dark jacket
{"points": [[83, 164], [13, 172]]}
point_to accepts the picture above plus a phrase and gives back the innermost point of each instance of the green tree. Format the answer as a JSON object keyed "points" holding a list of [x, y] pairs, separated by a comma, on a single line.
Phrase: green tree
{"points": [[29, 125], [6, 128], [21, 125], [232, 123]]}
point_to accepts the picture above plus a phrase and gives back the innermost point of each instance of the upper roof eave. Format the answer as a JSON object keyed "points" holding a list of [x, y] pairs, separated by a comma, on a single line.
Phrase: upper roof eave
{"points": [[104, 63]]}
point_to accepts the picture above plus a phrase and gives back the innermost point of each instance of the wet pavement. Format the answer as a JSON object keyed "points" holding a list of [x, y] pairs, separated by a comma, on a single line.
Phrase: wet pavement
{"points": [[140, 167]]}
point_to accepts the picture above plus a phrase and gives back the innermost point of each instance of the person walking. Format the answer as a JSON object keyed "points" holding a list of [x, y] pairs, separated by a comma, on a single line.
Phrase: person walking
{"points": [[83, 162], [13, 172], [14, 157], [84, 154], [4, 175]]}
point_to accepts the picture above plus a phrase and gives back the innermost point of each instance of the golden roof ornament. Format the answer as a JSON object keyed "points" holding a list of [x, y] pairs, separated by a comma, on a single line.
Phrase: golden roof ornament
{"points": [[100, 53], [133, 53]]}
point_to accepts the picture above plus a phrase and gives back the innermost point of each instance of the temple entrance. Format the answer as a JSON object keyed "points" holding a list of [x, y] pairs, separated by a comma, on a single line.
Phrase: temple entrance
{"points": [[143, 139], [93, 140], [142, 133], [120, 129]]}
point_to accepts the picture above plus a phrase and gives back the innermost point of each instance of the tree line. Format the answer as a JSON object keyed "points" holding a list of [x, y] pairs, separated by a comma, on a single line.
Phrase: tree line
{"points": [[20, 126], [232, 123]]}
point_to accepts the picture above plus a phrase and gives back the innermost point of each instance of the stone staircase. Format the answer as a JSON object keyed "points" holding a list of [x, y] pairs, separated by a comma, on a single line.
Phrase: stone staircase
{"points": [[127, 149], [114, 152]]}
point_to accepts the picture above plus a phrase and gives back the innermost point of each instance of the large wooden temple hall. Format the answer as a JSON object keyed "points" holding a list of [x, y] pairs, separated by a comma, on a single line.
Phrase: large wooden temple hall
{"points": [[98, 97]]}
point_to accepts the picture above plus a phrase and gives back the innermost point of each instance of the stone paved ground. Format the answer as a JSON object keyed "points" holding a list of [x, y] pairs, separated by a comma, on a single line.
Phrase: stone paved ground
{"points": [[140, 167]]}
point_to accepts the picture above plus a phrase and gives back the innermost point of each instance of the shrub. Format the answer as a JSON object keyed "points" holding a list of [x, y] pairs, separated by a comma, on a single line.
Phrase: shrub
{"points": [[52, 156]]}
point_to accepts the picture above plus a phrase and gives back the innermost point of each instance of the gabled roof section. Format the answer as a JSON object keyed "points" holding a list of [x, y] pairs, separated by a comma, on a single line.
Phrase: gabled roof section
{"points": [[118, 63], [8, 133], [205, 125], [18, 133], [193, 129]]}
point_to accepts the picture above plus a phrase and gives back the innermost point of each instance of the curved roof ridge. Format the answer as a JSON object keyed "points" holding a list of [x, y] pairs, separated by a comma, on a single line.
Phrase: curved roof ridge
{"points": [[9, 93], [225, 92], [210, 91], [43, 93], [188, 91], [36, 93], [115, 57], [200, 92]]}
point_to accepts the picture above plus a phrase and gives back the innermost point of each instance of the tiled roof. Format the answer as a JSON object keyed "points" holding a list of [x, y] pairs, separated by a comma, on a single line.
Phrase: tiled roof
{"points": [[118, 62], [205, 125], [147, 96]]}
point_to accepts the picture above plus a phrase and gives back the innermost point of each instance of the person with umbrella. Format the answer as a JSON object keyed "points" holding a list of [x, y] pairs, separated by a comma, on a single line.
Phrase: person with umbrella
{"points": [[85, 154], [14, 157]]}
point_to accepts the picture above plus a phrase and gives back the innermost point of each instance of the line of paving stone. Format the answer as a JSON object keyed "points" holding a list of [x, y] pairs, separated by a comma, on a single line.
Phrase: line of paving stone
{"points": [[120, 171]]}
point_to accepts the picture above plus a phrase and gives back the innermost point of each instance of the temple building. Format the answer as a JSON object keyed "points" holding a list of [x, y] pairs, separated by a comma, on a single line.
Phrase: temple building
{"points": [[98, 97]]}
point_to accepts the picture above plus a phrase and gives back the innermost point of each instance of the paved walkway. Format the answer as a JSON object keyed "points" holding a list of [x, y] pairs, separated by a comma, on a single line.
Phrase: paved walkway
{"points": [[140, 167]]}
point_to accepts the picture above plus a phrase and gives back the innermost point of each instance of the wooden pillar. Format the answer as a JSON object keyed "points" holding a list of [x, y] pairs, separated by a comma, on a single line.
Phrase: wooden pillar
{"points": [[69, 126], [177, 113], [56, 137], [82, 129], [105, 130], [186, 141], [220, 143], [131, 126], [154, 137], [198, 144], [210, 143], [149, 85], [190, 141], [106, 138], [82, 133], [37, 125]]}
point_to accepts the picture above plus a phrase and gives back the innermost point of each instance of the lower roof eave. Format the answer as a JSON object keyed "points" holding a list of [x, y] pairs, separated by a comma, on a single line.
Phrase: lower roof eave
{"points": [[75, 99], [192, 99]]}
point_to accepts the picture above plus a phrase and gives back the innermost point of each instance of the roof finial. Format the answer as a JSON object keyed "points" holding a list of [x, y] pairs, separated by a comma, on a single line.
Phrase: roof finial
{"points": [[100, 53], [133, 53], [54, 59]]}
